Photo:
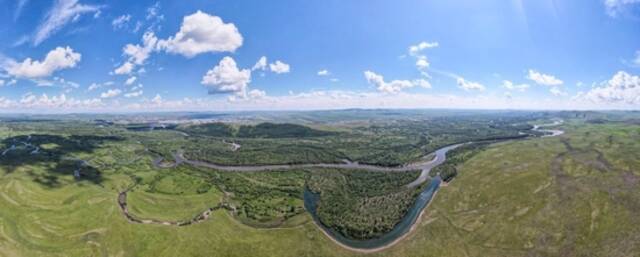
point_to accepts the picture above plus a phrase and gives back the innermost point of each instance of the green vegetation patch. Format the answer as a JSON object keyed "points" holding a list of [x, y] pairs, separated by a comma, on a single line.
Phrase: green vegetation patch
{"points": [[362, 204], [266, 199]]}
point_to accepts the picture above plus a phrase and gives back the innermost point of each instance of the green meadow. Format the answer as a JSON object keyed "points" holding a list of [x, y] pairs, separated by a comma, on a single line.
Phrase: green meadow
{"points": [[577, 194]]}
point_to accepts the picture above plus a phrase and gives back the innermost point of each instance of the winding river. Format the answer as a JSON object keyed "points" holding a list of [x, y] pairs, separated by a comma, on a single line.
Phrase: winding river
{"points": [[402, 229]]}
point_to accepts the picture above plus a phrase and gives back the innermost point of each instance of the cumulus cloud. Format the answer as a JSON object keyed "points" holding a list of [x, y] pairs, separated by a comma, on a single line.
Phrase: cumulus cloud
{"points": [[469, 85], [57, 59], [130, 80], [257, 94], [510, 86], [616, 7], [279, 67], [201, 33], [111, 93], [125, 68], [63, 12], [323, 72], [621, 88], [416, 49], [121, 21], [261, 64], [422, 63], [543, 79], [395, 86], [227, 78], [137, 54]]}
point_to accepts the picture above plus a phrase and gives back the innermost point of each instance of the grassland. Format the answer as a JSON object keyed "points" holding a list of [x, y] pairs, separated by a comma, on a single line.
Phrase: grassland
{"points": [[573, 195]]}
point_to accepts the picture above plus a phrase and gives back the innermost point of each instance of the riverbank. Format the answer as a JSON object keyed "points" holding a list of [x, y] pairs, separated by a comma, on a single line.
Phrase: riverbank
{"points": [[439, 158]]}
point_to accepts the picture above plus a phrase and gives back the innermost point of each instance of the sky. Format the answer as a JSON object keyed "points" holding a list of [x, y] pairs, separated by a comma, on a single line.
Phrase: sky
{"points": [[66, 56]]}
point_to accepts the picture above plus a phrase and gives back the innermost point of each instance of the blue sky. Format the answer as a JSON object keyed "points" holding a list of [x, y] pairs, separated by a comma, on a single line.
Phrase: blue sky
{"points": [[84, 56]]}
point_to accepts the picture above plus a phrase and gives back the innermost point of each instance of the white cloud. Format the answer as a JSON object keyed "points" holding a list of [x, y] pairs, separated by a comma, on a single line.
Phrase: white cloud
{"points": [[395, 86], [19, 6], [227, 78], [422, 63], [137, 53], [1, 82], [323, 72], [67, 85], [510, 86], [154, 11], [125, 68], [157, 99], [636, 61], [621, 88], [416, 49], [133, 94], [139, 86], [543, 79], [111, 93], [121, 21], [12, 82], [42, 82], [279, 67], [422, 83], [334, 80], [94, 86], [257, 94], [21, 41], [57, 59], [615, 7], [63, 12], [61, 101], [130, 80], [469, 85], [261, 64], [137, 27], [201, 33]]}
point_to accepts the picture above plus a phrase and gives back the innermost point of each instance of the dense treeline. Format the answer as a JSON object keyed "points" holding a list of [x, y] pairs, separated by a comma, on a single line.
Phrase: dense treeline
{"points": [[362, 204], [385, 144], [216, 129], [263, 199], [262, 130]]}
